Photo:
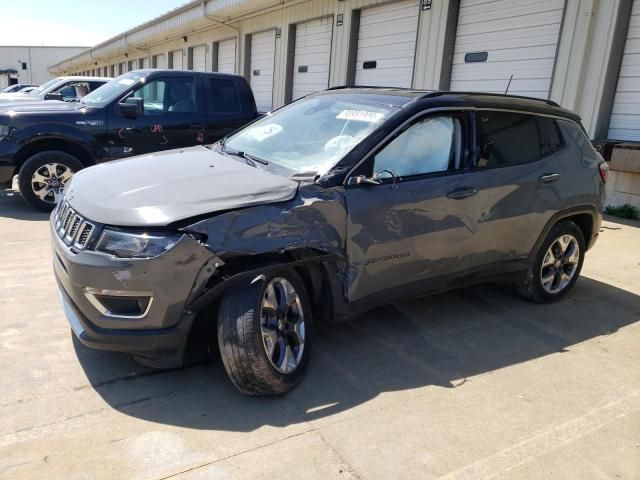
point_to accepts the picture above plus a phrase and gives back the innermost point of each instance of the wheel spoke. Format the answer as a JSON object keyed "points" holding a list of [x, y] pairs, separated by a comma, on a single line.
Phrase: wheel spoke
{"points": [[270, 302], [52, 168], [42, 193], [547, 278], [39, 178], [549, 259], [288, 361], [270, 339], [66, 174]]}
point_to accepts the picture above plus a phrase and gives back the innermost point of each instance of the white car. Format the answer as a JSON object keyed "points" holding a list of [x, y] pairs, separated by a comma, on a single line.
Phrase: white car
{"points": [[60, 88]]}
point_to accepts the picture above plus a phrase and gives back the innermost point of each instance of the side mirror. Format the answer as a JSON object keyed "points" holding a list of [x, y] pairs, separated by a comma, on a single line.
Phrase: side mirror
{"points": [[132, 107], [54, 96]]}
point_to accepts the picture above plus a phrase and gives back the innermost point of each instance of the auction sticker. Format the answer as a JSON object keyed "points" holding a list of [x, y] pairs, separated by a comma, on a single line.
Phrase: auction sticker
{"points": [[361, 116]]}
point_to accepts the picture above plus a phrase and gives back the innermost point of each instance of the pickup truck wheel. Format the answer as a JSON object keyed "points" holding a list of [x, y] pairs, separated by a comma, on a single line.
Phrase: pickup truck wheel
{"points": [[43, 176], [557, 264], [265, 332]]}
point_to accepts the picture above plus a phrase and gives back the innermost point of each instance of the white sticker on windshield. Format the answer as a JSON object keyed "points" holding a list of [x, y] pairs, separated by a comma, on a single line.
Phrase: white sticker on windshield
{"points": [[126, 81], [361, 115]]}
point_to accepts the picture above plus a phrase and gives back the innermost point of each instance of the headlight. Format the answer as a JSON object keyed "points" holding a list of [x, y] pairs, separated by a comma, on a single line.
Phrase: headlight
{"points": [[131, 245]]}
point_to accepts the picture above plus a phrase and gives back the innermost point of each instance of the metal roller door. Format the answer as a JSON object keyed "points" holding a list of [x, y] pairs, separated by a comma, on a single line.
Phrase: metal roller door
{"points": [[198, 59], [176, 58], [160, 61], [227, 56], [500, 38], [625, 116], [312, 56], [263, 55], [387, 44]]}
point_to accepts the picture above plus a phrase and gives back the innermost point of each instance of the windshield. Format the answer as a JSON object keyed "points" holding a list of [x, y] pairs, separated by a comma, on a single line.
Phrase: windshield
{"points": [[104, 95], [312, 134], [45, 86]]}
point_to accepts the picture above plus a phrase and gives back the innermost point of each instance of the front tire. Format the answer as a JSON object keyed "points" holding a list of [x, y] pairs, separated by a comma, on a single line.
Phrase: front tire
{"points": [[557, 264], [43, 176], [265, 332]]}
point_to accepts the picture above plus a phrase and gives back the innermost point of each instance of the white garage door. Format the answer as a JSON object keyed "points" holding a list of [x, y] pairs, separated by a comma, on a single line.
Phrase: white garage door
{"points": [[625, 116], [312, 56], [144, 62], [199, 58], [227, 56], [160, 61], [176, 57], [263, 54], [387, 44], [500, 38]]}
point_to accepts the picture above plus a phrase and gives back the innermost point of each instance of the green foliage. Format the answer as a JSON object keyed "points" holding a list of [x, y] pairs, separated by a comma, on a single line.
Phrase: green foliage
{"points": [[623, 211]]}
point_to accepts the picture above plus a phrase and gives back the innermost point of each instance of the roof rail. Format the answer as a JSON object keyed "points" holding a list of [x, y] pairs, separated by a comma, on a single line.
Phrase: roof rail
{"points": [[535, 99], [340, 87]]}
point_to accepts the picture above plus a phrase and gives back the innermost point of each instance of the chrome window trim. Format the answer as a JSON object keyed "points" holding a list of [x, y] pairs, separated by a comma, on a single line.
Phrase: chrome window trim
{"points": [[449, 109]]}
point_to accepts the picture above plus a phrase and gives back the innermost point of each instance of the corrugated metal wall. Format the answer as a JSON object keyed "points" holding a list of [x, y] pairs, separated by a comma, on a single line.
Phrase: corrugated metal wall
{"points": [[578, 74]]}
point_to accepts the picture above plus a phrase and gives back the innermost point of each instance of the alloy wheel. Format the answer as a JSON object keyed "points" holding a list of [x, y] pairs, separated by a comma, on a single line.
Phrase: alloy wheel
{"points": [[282, 325], [560, 264], [49, 180]]}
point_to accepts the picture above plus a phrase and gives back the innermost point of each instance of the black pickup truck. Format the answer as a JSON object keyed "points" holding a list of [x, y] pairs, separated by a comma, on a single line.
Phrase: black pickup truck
{"points": [[139, 112]]}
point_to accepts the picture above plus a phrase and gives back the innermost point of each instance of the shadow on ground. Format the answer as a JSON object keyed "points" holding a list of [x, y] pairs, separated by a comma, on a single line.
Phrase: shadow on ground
{"points": [[439, 340], [13, 206]]}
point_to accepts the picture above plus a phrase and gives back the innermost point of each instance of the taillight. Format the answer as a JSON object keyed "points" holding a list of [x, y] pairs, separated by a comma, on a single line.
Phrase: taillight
{"points": [[603, 168]]}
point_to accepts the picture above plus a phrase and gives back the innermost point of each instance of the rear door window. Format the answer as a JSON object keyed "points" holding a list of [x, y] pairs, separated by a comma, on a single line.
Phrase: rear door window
{"points": [[506, 139], [222, 96]]}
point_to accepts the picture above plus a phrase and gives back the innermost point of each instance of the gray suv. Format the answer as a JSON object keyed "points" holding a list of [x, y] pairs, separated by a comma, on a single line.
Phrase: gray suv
{"points": [[339, 202]]}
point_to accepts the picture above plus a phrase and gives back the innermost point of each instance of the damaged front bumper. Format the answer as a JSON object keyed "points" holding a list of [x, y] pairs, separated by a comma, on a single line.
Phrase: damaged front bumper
{"points": [[135, 306]]}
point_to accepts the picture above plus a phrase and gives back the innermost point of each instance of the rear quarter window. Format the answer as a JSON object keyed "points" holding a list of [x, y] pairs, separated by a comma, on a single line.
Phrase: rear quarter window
{"points": [[223, 96]]}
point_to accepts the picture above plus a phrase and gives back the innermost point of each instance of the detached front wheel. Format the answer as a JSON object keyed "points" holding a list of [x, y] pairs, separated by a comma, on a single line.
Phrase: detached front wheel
{"points": [[43, 177], [264, 333]]}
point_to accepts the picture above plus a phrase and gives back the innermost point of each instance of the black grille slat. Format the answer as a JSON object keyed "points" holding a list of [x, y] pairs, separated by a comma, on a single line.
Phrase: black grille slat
{"points": [[73, 228]]}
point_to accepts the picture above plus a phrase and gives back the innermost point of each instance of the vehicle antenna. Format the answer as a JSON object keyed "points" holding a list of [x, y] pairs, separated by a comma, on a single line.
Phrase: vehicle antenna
{"points": [[508, 84]]}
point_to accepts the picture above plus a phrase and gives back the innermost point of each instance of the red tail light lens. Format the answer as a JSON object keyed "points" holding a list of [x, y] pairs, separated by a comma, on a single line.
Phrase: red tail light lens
{"points": [[603, 168]]}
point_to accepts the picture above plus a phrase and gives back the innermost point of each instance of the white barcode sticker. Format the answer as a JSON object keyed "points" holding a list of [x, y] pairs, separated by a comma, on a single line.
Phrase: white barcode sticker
{"points": [[361, 115]]}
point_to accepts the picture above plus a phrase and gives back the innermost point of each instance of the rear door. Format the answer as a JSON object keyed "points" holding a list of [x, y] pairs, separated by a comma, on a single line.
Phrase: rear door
{"points": [[173, 117], [408, 230], [227, 108], [520, 183]]}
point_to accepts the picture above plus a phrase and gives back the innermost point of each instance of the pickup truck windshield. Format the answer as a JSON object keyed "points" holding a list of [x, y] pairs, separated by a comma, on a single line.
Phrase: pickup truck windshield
{"points": [[104, 95], [312, 134], [44, 87]]}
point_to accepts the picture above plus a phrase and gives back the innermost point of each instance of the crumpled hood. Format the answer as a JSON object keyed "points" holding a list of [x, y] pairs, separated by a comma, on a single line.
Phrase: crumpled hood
{"points": [[162, 188]]}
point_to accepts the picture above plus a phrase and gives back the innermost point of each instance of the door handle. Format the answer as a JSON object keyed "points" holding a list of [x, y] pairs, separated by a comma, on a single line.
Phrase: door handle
{"points": [[549, 177], [464, 192]]}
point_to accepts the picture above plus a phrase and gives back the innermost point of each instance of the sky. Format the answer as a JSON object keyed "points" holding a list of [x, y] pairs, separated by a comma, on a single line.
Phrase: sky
{"points": [[74, 22]]}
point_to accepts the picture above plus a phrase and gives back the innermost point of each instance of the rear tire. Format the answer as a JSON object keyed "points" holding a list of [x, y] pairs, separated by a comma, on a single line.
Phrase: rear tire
{"points": [[265, 332], [557, 264], [42, 178]]}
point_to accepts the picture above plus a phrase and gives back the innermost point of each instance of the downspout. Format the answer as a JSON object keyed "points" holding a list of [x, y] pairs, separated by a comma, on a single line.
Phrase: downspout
{"points": [[218, 22]]}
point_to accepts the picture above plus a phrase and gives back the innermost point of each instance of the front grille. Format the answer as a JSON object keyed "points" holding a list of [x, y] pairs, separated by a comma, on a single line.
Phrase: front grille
{"points": [[74, 230]]}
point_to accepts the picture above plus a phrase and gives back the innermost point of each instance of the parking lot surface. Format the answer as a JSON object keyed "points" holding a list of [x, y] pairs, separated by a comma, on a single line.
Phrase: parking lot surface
{"points": [[471, 384]]}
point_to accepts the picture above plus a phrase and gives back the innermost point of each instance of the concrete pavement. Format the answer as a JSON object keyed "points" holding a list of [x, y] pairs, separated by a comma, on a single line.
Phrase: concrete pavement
{"points": [[469, 384]]}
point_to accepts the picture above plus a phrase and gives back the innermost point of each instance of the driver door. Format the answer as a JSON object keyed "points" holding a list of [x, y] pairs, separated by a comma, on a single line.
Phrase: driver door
{"points": [[172, 117], [414, 224]]}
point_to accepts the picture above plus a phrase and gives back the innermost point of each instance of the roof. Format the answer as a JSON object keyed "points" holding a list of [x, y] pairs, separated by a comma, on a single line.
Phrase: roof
{"points": [[8, 70], [463, 99], [81, 78]]}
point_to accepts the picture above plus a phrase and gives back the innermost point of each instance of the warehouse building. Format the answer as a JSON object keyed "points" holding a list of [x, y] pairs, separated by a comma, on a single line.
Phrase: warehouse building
{"points": [[582, 54], [24, 64]]}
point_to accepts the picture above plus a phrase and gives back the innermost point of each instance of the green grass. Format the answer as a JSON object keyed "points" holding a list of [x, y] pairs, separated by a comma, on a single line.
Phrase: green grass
{"points": [[623, 211]]}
